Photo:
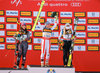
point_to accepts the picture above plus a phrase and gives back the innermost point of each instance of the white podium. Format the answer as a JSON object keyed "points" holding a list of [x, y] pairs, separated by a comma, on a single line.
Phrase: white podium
{"points": [[38, 69], [14, 71]]}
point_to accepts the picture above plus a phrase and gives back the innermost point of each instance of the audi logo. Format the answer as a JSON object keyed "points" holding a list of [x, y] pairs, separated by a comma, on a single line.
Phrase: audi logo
{"points": [[76, 4]]}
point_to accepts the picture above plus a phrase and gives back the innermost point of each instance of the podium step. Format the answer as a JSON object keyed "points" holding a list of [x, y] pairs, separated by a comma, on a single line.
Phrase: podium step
{"points": [[13, 71], [39, 69], [51, 69]]}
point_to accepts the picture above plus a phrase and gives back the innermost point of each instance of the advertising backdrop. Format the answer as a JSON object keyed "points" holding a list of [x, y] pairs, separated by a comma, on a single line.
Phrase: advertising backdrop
{"points": [[86, 56]]}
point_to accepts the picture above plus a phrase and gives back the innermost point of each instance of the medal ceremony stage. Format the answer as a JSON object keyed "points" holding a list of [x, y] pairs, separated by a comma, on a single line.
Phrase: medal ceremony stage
{"points": [[29, 17], [38, 69]]}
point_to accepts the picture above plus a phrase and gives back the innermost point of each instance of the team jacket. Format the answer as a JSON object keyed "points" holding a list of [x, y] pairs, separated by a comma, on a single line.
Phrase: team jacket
{"points": [[67, 33], [22, 36], [47, 31]]}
